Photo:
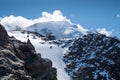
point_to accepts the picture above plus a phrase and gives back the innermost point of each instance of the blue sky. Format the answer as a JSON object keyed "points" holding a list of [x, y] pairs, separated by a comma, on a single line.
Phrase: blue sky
{"points": [[91, 14]]}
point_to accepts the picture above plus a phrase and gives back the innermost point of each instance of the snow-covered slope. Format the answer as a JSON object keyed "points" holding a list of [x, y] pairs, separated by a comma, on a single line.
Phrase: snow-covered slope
{"points": [[61, 29], [47, 50]]}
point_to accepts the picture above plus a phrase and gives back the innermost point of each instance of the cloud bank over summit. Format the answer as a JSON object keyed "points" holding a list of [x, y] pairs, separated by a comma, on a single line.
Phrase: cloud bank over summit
{"points": [[11, 22], [18, 22], [55, 16]]}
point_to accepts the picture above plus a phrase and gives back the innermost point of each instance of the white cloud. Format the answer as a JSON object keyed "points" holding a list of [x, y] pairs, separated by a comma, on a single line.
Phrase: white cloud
{"points": [[55, 16], [12, 22], [104, 31]]}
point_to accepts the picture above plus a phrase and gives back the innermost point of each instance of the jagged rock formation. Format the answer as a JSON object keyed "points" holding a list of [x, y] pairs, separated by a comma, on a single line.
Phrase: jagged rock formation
{"points": [[94, 57], [3, 35], [19, 61]]}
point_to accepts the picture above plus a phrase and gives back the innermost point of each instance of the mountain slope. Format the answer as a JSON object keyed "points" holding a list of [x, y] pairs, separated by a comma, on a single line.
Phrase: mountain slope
{"points": [[93, 57], [60, 29], [94, 53], [47, 50]]}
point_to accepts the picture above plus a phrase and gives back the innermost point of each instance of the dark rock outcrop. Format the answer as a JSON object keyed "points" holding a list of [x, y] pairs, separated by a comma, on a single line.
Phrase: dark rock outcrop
{"points": [[11, 67], [94, 57], [3, 35], [19, 61]]}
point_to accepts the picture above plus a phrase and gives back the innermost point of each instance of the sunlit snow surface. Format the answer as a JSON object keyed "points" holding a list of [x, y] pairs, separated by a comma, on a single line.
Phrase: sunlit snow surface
{"points": [[51, 51]]}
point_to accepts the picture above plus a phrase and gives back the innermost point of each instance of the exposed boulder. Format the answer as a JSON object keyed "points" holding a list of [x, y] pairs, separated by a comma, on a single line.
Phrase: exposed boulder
{"points": [[50, 37], [93, 57]]}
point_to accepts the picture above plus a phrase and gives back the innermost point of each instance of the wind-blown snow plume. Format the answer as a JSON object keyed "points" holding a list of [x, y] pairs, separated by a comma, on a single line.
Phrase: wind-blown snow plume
{"points": [[81, 29], [104, 31]]}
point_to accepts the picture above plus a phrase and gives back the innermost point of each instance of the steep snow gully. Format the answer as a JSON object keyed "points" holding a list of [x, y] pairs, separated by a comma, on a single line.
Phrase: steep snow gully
{"points": [[54, 53], [47, 50]]}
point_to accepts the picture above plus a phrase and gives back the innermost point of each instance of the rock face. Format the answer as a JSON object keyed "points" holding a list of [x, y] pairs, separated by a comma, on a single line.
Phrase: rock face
{"points": [[94, 57], [19, 61], [3, 35]]}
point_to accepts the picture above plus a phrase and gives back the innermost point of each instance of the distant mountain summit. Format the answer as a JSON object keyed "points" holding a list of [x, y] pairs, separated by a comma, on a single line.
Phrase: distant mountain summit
{"points": [[60, 29], [93, 57], [56, 25]]}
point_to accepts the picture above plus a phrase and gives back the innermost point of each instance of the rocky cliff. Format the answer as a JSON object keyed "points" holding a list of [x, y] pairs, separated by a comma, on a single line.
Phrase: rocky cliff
{"points": [[94, 57], [19, 61]]}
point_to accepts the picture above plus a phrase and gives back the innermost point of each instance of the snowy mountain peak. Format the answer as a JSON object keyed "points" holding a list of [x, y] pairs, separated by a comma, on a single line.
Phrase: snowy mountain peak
{"points": [[49, 23], [11, 22], [61, 29]]}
